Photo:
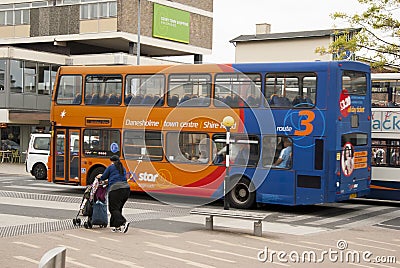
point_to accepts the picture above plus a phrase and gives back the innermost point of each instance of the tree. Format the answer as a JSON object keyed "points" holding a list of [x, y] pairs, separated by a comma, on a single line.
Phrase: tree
{"points": [[374, 35]]}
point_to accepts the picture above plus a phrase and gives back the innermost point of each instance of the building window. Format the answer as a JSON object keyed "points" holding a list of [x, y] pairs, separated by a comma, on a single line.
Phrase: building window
{"points": [[16, 76], [6, 6], [2, 18], [348, 36], [113, 8], [70, 2], [18, 17], [10, 138], [95, 10], [6, 15], [29, 77], [103, 12], [84, 12], [39, 4], [44, 82], [21, 13], [30, 73], [53, 73], [25, 16], [16, 14], [6, 18], [2, 74]]}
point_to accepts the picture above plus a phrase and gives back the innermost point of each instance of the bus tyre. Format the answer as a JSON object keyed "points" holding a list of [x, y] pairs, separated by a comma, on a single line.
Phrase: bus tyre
{"points": [[39, 171], [93, 174], [242, 194]]}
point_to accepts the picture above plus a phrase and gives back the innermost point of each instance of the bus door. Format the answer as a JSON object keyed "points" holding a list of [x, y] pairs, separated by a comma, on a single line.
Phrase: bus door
{"points": [[67, 158]]}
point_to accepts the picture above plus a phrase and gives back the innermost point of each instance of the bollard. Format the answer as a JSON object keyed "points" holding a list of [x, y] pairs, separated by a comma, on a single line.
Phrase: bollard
{"points": [[54, 258], [210, 223], [258, 228]]}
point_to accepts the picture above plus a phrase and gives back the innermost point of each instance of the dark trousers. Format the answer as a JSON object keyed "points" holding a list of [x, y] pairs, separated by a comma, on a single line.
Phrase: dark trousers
{"points": [[116, 201]]}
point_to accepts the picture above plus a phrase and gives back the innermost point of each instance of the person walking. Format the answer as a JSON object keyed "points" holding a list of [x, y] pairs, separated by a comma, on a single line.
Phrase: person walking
{"points": [[118, 194]]}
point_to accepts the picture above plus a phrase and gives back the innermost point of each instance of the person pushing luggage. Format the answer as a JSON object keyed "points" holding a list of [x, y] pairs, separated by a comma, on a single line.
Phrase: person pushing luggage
{"points": [[118, 194]]}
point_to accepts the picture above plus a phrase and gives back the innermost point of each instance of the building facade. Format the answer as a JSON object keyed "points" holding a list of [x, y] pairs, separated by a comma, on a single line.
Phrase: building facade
{"points": [[38, 36], [265, 46]]}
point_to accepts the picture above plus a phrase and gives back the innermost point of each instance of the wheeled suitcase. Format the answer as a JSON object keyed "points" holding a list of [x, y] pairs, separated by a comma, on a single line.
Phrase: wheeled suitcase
{"points": [[99, 215], [93, 206]]}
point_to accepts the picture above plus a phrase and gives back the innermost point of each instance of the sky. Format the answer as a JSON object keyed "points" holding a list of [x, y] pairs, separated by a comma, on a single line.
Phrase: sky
{"points": [[237, 17]]}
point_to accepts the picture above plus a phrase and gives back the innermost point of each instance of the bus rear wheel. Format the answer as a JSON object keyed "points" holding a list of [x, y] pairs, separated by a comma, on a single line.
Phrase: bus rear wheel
{"points": [[242, 194], [39, 171]]}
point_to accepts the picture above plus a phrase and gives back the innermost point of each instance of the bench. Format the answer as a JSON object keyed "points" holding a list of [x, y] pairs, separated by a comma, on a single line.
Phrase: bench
{"points": [[237, 214]]}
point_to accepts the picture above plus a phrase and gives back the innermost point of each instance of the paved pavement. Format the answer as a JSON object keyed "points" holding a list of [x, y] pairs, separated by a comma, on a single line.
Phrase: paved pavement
{"points": [[181, 240], [13, 168]]}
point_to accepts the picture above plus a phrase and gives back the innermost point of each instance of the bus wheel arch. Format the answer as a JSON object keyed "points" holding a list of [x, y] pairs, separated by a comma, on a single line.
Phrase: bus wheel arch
{"points": [[242, 195], [93, 172]]}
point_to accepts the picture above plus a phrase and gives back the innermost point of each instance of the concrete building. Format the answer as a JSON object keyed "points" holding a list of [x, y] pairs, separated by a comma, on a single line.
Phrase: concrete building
{"points": [[38, 36], [264, 46]]}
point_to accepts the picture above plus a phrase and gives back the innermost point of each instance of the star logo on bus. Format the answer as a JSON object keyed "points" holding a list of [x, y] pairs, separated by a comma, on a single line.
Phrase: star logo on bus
{"points": [[63, 114]]}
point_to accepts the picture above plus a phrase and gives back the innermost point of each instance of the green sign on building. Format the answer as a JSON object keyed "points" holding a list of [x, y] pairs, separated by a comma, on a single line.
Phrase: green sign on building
{"points": [[171, 23]]}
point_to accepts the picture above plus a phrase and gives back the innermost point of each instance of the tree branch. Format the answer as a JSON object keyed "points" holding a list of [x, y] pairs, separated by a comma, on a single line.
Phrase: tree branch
{"points": [[375, 36], [379, 51]]}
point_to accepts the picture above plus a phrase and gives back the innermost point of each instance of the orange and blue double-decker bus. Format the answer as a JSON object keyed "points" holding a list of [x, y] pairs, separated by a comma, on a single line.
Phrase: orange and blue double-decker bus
{"points": [[301, 133]]}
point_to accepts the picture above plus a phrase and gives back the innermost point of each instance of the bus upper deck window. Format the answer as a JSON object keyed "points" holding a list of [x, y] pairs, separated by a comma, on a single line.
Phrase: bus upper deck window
{"points": [[291, 89]]}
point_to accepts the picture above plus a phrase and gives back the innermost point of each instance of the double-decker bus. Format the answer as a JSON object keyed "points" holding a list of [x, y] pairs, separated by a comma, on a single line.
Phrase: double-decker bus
{"points": [[385, 182], [302, 132]]}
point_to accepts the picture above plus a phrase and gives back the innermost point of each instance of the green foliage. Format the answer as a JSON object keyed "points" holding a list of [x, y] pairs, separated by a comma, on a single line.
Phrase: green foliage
{"points": [[378, 37]]}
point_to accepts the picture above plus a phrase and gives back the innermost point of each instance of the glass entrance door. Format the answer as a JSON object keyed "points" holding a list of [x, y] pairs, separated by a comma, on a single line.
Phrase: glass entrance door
{"points": [[67, 155], [74, 155], [60, 154]]}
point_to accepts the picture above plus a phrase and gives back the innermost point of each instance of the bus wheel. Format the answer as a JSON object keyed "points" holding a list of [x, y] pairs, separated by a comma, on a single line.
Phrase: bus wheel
{"points": [[39, 171], [93, 174], [241, 195]]}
